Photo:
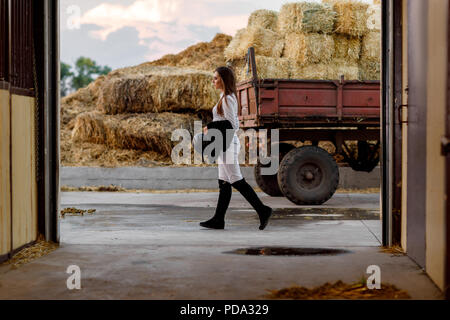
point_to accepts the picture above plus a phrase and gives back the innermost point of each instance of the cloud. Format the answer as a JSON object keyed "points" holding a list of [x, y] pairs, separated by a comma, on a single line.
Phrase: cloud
{"points": [[143, 15], [121, 48], [162, 25], [150, 17]]}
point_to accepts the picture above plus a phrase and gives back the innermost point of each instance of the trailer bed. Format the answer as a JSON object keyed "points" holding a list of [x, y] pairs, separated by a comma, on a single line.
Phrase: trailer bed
{"points": [[300, 103]]}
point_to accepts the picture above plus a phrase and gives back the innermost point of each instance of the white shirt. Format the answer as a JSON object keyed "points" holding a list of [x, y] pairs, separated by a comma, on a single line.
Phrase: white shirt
{"points": [[230, 111]]}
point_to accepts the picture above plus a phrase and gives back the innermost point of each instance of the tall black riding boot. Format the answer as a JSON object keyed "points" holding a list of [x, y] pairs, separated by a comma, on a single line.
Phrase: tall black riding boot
{"points": [[264, 212], [218, 221]]}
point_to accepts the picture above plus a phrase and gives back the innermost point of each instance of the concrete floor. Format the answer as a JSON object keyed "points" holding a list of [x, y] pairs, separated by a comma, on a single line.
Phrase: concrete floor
{"points": [[150, 246]]}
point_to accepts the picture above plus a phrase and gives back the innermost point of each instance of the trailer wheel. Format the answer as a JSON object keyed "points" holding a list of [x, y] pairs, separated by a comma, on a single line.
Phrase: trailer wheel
{"points": [[269, 183], [308, 176]]}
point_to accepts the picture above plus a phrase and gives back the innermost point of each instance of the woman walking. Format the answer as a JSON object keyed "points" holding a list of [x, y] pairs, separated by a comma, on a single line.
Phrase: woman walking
{"points": [[229, 169]]}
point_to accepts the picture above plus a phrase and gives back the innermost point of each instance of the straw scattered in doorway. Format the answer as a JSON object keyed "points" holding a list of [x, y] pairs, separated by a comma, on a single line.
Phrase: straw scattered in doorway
{"points": [[32, 252], [340, 291], [75, 212], [395, 250]]}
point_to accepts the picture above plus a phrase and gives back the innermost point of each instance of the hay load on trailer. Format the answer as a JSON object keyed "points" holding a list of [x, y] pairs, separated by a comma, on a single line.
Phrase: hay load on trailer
{"points": [[318, 41]]}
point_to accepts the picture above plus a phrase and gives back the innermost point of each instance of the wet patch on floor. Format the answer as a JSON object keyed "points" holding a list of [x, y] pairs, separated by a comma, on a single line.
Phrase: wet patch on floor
{"points": [[327, 214], [286, 251]]}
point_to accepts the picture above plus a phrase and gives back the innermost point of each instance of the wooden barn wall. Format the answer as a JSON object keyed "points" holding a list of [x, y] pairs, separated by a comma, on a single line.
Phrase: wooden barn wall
{"points": [[24, 190], [18, 183], [5, 191]]}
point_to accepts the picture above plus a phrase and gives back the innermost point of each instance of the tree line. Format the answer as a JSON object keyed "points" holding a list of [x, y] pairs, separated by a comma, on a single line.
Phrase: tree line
{"points": [[84, 72]]}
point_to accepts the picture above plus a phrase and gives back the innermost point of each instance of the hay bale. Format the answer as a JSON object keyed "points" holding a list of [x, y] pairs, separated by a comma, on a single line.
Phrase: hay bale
{"points": [[235, 50], [89, 127], [266, 67], [346, 47], [266, 43], [157, 89], [266, 19], [369, 70], [148, 132], [306, 17], [307, 48], [371, 46], [341, 66], [370, 63], [239, 67], [289, 18], [374, 18], [351, 17], [313, 71], [84, 99]]}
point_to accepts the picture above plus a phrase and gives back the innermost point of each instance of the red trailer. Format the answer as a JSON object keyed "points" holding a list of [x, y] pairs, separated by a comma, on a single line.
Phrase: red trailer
{"points": [[338, 111]]}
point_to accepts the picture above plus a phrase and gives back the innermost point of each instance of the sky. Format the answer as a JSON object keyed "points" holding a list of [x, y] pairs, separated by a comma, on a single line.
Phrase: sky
{"points": [[122, 33]]}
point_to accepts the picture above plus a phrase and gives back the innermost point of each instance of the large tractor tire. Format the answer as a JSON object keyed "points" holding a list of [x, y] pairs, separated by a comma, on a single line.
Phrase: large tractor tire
{"points": [[269, 183], [308, 176]]}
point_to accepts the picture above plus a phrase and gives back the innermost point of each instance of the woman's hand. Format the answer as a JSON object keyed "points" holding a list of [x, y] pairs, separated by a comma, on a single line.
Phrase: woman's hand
{"points": [[205, 130]]}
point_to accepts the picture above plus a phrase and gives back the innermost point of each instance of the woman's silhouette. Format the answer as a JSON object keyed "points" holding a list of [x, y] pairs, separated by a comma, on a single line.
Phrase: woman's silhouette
{"points": [[229, 169]]}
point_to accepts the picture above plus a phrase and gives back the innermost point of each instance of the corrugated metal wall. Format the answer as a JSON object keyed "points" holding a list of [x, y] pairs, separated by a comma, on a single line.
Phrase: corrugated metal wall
{"points": [[21, 44]]}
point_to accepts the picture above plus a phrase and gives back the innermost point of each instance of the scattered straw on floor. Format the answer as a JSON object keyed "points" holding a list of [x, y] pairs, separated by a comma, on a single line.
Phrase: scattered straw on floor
{"points": [[395, 251], [33, 252], [364, 191], [338, 291], [110, 188], [76, 212]]}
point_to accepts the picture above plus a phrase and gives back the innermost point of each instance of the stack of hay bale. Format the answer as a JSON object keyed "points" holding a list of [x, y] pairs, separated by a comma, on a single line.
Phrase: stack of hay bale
{"points": [[138, 108], [308, 40], [128, 116]]}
